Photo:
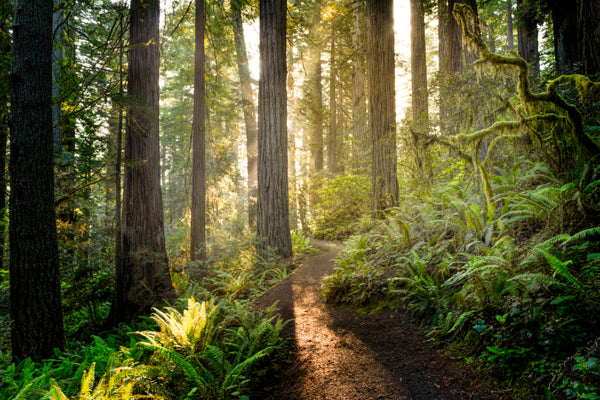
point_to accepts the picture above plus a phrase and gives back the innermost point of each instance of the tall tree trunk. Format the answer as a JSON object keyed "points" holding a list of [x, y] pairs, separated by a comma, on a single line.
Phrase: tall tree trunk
{"points": [[360, 152], [450, 62], [248, 107], [509, 25], [420, 106], [142, 279], [382, 105], [5, 48], [588, 15], [332, 137], [528, 34], [316, 139], [294, 207], [566, 45], [198, 231], [35, 297], [471, 54], [272, 223], [119, 137]]}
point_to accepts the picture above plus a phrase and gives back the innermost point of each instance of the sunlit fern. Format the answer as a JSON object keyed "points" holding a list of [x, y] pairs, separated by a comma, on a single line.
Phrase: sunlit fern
{"points": [[561, 268], [189, 332], [121, 384]]}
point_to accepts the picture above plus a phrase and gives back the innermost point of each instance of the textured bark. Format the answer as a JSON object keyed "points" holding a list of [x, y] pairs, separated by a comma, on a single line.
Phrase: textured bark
{"points": [[249, 107], [5, 49], [293, 181], [35, 297], [450, 39], [382, 110], [272, 224], [360, 147], [316, 120], [528, 34], [142, 277], [509, 25], [420, 107], [588, 15], [566, 46], [471, 54], [198, 219], [332, 136]]}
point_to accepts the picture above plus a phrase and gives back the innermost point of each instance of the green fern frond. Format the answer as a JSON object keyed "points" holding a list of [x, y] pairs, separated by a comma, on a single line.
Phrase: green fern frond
{"points": [[561, 268], [591, 234]]}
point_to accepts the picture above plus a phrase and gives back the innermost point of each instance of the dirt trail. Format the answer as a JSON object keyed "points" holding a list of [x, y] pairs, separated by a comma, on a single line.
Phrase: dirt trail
{"points": [[339, 354]]}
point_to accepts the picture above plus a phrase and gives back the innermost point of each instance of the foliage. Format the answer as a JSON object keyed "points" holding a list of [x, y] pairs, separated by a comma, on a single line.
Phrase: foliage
{"points": [[342, 200]]}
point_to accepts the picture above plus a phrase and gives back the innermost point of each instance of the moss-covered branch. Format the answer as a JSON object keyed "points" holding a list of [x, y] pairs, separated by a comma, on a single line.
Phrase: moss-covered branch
{"points": [[586, 146]]}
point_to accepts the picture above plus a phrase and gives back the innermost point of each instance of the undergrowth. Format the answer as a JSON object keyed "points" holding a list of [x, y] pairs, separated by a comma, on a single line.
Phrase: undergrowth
{"points": [[515, 287]]}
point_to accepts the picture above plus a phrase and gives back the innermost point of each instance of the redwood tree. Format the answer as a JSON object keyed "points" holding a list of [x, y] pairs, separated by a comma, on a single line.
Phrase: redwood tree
{"points": [[142, 276], [198, 222], [272, 224], [382, 104], [35, 297], [248, 107]]}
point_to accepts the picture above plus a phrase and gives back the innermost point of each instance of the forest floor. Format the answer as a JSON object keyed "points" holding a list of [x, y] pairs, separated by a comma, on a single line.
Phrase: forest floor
{"points": [[336, 353]]}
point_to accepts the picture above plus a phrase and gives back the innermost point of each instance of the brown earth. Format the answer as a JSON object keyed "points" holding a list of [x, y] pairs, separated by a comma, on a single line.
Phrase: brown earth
{"points": [[339, 354]]}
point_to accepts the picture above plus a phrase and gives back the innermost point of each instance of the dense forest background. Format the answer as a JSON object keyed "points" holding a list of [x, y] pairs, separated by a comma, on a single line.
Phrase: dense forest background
{"points": [[149, 162]]}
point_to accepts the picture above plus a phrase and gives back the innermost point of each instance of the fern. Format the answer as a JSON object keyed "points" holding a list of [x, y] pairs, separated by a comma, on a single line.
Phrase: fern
{"points": [[562, 268]]}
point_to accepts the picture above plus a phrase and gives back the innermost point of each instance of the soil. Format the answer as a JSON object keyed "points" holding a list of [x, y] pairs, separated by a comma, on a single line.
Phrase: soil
{"points": [[336, 353]]}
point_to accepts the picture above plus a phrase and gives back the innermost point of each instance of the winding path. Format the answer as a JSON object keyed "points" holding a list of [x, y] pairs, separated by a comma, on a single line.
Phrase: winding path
{"points": [[340, 354]]}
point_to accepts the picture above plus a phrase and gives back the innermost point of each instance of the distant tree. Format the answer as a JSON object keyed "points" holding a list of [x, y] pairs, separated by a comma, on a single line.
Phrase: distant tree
{"points": [[35, 296], [566, 44], [420, 107], [588, 15], [142, 277], [527, 34], [272, 224], [360, 152], [248, 106], [509, 26], [198, 220], [382, 105], [333, 132], [315, 93]]}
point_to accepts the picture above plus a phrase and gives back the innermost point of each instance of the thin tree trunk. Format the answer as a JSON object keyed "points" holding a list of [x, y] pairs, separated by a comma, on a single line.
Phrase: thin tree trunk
{"points": [[332, 137], [198, 231], [420, 106], [35, 296], [294, 207], [142, 279], [528, 35], [382, 105], [272, 224], [509, 25], [588, 15], [248, 107], [360, 147]]}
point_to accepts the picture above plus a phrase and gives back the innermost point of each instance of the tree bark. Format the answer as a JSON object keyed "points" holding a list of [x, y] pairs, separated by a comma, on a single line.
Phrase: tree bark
{"points": [[5, 49], [382, 102], [142, 279], [360, 147], [420, 107], [588, 15], [198, 219], [509, 25], [272, 224], [35, 297], [332, 137], [527, 34], [248, 105], [566, 45]]}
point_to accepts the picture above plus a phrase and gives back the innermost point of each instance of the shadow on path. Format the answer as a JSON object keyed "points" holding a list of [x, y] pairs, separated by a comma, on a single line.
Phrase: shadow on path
{"points": [[339, 354]]}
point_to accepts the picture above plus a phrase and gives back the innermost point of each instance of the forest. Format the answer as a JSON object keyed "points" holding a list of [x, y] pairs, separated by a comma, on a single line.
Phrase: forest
{"points": [[168, 163]]}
